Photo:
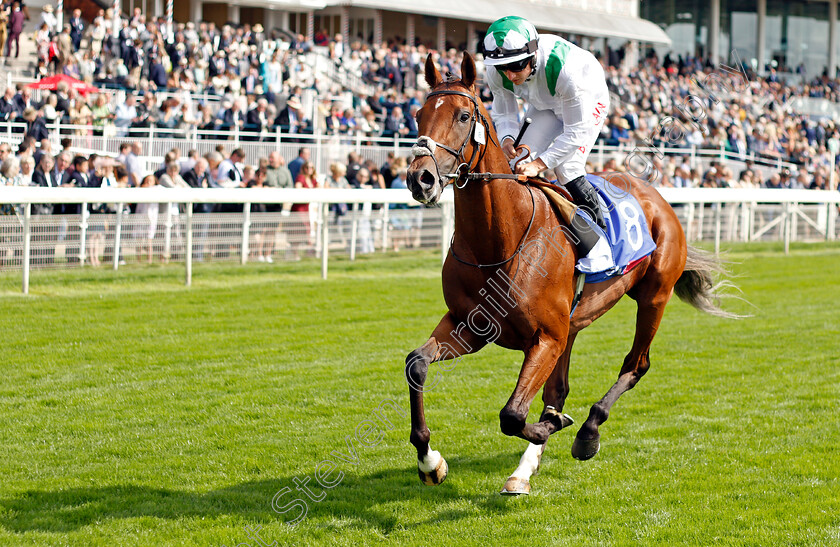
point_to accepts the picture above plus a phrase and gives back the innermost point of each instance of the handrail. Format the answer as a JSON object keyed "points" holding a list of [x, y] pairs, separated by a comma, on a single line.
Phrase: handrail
{"points": [[29, 194]]}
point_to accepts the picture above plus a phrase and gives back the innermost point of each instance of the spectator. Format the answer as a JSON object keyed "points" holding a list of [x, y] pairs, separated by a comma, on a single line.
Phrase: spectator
{"points": [[146, 227], [296, 164], [15, 27], [80, 178], [230, 170], [291, 119], [77, 29]]}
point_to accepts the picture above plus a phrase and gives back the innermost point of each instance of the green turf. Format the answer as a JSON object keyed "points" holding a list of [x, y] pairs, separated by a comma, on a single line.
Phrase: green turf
{"points": [[136, 411]]}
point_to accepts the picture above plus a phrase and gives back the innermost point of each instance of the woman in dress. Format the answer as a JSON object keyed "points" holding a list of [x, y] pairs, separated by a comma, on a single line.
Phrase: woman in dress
{"points": [[307, 178], [147, 214]]}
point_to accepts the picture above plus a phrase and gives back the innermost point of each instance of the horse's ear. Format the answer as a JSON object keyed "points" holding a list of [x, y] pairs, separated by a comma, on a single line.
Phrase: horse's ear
{"points": [[468, 70], [433, 76]]}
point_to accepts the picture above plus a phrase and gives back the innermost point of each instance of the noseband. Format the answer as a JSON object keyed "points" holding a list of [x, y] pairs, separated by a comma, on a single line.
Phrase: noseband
{"points": [[426, 146]]}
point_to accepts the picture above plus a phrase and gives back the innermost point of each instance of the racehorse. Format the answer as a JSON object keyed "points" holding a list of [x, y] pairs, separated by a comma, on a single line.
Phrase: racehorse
{"points": [[516, 290]]}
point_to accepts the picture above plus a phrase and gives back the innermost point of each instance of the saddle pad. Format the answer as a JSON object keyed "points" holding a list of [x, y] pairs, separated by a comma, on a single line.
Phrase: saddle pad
{"points": [[627, 239]]}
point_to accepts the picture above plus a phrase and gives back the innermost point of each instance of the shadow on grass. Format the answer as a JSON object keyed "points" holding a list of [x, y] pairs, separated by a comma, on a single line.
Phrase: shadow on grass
{"points": [[363, 500]]}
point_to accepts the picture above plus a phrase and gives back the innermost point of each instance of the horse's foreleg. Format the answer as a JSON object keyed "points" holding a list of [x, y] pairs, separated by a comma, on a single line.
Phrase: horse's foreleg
{"points": [[449, 340], [636, 364], [540, 360], [554, 397]]}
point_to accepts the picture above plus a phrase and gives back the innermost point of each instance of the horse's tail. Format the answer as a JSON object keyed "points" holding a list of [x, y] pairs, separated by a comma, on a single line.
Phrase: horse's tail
{"points": [[696, 285]]}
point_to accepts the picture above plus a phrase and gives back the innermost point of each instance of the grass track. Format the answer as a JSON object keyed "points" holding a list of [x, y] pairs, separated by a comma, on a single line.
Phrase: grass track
{"points": [[138, 412]]}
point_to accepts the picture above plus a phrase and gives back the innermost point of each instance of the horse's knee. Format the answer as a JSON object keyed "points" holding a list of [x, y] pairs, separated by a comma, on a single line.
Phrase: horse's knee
{"points": [[416, 368], [511, 422]]}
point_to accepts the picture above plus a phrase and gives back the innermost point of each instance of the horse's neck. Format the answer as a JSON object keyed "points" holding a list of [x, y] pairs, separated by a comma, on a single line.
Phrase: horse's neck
{"points": [[491, 217]]}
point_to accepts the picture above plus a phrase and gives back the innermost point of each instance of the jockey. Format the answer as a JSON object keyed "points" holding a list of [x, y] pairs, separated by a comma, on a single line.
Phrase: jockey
{"points": [[568, 100]]}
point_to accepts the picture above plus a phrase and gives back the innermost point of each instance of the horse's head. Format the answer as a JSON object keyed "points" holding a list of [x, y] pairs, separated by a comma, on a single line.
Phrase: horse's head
{"points": [[452, 130]]}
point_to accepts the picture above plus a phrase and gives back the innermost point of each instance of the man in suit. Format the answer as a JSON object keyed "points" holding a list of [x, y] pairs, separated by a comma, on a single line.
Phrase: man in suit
{"points": [[80, 178], [231, 116], [8, 107], [77, 29], [256, 121], [197, 177], [23, 100], [290, 119], [395, 125], [157, 73]]}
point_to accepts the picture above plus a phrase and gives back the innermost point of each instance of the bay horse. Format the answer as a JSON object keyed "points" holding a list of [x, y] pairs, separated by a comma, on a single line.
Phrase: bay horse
{"points": [[516, 290]]}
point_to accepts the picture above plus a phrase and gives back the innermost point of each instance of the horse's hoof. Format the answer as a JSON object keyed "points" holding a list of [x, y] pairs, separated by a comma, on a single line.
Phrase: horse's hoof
{"points": [[436, 475], [516, 486], [585, 449]]}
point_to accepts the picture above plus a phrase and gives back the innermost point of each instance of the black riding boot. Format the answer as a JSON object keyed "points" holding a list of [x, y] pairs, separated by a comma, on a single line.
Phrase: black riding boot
{"points": [[586, 196]]}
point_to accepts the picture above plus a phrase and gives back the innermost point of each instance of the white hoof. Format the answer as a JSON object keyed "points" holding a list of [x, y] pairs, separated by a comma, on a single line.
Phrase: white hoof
{"points": [[432, 469]]}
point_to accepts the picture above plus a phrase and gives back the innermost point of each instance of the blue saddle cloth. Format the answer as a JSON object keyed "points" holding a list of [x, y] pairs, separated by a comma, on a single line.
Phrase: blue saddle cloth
{"points": [[627, 234]]}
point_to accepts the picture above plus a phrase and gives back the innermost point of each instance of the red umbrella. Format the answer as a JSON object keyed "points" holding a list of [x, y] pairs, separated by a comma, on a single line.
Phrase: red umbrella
{"points": [[51, 82]]}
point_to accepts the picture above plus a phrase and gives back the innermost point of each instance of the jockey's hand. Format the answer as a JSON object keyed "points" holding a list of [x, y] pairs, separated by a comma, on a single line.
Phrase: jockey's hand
{"points": [[531, 168], [508, 149]]}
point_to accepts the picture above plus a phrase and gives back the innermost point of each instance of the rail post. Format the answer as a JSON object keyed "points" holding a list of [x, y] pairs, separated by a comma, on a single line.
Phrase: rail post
{"points": [[246, 232], [117, 235], [83, 225], [188, 251], [325, 239], [27, 235]]}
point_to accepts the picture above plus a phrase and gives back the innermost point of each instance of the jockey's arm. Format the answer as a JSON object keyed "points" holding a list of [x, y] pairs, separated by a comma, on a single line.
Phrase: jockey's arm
{"points": [[505, 112], [577, 119]]}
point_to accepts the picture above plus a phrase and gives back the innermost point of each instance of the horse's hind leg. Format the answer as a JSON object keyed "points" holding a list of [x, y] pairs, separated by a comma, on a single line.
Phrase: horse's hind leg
{"points": [[554, 397], [448, 341], [636, 364]]}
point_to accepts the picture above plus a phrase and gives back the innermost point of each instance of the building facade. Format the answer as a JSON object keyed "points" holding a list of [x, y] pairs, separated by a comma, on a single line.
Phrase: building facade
{"points": [[790, 36]]}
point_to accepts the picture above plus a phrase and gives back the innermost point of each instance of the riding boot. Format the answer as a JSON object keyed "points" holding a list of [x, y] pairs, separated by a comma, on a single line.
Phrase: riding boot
{"points": [[586, 196], [582, 235]]}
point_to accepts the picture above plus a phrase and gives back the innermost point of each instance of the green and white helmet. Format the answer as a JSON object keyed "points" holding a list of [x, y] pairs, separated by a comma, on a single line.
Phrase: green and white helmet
{"points": [[508, 40]]}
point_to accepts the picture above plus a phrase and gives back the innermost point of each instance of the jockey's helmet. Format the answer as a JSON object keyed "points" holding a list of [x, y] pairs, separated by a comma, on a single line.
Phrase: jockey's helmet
{"points": [[508, 40]]}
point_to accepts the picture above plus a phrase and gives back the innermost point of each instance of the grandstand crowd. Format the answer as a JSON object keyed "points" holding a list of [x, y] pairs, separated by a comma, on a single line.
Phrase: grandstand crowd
{"points": [[242, 81]]}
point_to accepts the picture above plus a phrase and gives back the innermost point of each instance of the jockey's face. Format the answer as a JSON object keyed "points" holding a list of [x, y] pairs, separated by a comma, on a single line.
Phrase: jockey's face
{"points": [[517, 72]]}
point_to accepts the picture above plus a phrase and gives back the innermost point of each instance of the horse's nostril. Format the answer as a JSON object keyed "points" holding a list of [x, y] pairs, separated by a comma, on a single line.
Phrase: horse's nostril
{"points": [[427, 178]]}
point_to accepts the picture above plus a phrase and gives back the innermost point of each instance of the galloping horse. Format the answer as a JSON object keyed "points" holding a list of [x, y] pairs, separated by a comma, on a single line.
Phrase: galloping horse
{"points": [[516, 290]]}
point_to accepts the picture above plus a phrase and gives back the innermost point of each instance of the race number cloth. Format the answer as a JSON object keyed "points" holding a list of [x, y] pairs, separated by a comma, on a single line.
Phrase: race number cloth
{"points": [[627, 240]]}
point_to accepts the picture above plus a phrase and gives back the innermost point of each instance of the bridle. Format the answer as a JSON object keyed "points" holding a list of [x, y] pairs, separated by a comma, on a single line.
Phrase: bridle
{"points": [[426, 146]]}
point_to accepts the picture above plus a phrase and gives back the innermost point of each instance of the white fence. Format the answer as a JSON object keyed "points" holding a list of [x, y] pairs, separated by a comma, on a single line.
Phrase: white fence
{"points": [[371, 224]]}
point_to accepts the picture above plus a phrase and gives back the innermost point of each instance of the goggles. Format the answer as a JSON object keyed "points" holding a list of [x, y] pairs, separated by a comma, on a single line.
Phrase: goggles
{"points": [[515, 66]]}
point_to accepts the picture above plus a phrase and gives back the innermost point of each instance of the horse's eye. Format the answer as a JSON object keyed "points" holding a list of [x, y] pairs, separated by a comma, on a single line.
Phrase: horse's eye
{"points": [[464, 117]]}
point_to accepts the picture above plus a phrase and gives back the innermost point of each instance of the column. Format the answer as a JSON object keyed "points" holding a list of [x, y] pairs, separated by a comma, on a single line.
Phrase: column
{"points": [[117, 21], [761, 36], [310, 26], [377, 27], [832, 38], [158, 8], [410, 33], [233, 13], [197, 10], [472, 40], [714, 32], [441, 34], [284, 20], [345, 27]]}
